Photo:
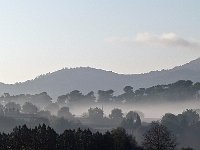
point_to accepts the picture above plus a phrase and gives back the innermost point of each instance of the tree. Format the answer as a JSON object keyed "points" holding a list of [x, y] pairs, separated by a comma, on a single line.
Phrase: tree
{"points": [[116, 114], [12, 106], [95, 113], [180, 90], [67, 140], [122, 141], [90, 97], [52, 107], [141, 114], [29, 108], [42, 99], [128, 89], [190, 116], [158, 137], [64, 112], [128, 94], [108, 143], [20, 138], [131, 122], [171, 122], [43, 137], [4, 141], [140, 92], [12, 109], [62, 100], [105, 96], [75, 96]]}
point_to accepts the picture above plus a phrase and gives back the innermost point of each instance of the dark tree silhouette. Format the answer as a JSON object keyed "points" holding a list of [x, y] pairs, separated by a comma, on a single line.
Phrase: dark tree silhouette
{"points": [[190, 117], [12, 106], [75, 96], [128, 94], [105, 96], [29, 108], [43, 137], [90, 97], [131, 122], [65, 113], [158, 137], [95, 113], [62, 99], [116, 114], [122, 141]]}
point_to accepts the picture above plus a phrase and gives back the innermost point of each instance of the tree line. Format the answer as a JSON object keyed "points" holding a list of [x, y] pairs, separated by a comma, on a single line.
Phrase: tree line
{"points": [[43, 137], [184, 126], [13, 114], [157, 137], [180, 90]]}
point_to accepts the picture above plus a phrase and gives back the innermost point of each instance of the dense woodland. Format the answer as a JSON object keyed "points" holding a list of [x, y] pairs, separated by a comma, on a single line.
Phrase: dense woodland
{"points": [[178, 91], [26, 113], [185, 127], [43, 137]]}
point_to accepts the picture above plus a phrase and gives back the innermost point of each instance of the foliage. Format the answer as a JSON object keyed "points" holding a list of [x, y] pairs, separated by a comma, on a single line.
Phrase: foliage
{"points": [[95, 113], [45, 138], [40, 100], [178, 91], [76, 96], [64, 112], [158, 137], [105, 96], [132, 122], [116, 114], [185, 126], [29, 108]]}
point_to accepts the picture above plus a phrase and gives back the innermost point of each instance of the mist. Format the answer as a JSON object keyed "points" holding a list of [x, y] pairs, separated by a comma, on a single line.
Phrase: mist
{"points": [[153, 110], [175, 105]]}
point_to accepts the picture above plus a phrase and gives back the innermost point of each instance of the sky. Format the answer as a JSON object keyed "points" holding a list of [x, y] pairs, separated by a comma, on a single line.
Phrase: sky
{"points": [[124, 36]]}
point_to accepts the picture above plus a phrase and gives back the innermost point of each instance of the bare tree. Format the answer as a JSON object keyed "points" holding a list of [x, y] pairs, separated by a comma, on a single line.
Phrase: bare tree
{"points": [[158, 137]]}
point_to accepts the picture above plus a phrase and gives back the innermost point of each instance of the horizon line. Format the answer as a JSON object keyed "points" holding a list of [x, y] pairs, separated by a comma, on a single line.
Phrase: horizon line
{"points": [[44, 74]]}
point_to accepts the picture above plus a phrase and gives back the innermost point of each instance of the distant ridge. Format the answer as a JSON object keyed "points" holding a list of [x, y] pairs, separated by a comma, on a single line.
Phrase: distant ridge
{"points": [[87, 79]]}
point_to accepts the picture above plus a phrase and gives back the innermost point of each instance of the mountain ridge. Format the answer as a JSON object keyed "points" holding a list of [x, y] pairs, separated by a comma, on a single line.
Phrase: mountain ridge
{"points": [[87, 79]]}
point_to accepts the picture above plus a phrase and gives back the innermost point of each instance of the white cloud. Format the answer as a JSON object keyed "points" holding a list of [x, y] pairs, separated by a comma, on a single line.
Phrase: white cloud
{"points": [[163, 40]]}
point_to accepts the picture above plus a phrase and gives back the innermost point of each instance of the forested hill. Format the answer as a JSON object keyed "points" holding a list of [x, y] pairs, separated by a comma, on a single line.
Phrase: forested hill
{"points": [[87, 79]]}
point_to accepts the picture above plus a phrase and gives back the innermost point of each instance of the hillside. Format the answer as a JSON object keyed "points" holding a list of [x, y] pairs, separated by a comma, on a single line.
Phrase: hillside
{"points": [[87, 79]]}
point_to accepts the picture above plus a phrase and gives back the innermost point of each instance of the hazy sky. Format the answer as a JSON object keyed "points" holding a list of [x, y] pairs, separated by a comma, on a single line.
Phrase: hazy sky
{"points": [[125, 36]]}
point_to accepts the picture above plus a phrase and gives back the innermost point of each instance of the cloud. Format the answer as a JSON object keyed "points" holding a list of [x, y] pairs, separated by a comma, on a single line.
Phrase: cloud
{"points": [[164, 40]]}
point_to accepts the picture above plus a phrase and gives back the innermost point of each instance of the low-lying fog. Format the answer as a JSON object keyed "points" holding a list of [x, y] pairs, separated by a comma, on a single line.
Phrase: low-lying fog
{"points": [[153, 110]]}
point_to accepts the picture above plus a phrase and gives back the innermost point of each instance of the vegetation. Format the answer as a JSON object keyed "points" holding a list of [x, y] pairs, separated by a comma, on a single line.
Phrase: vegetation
{"points": [[185, 126], [32, 110], [45, 138], [158, 137], [178, 91]]}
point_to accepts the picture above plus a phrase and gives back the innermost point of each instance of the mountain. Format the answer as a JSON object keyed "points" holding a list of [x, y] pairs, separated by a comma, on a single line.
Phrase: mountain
{"points": [[87, 79]]}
